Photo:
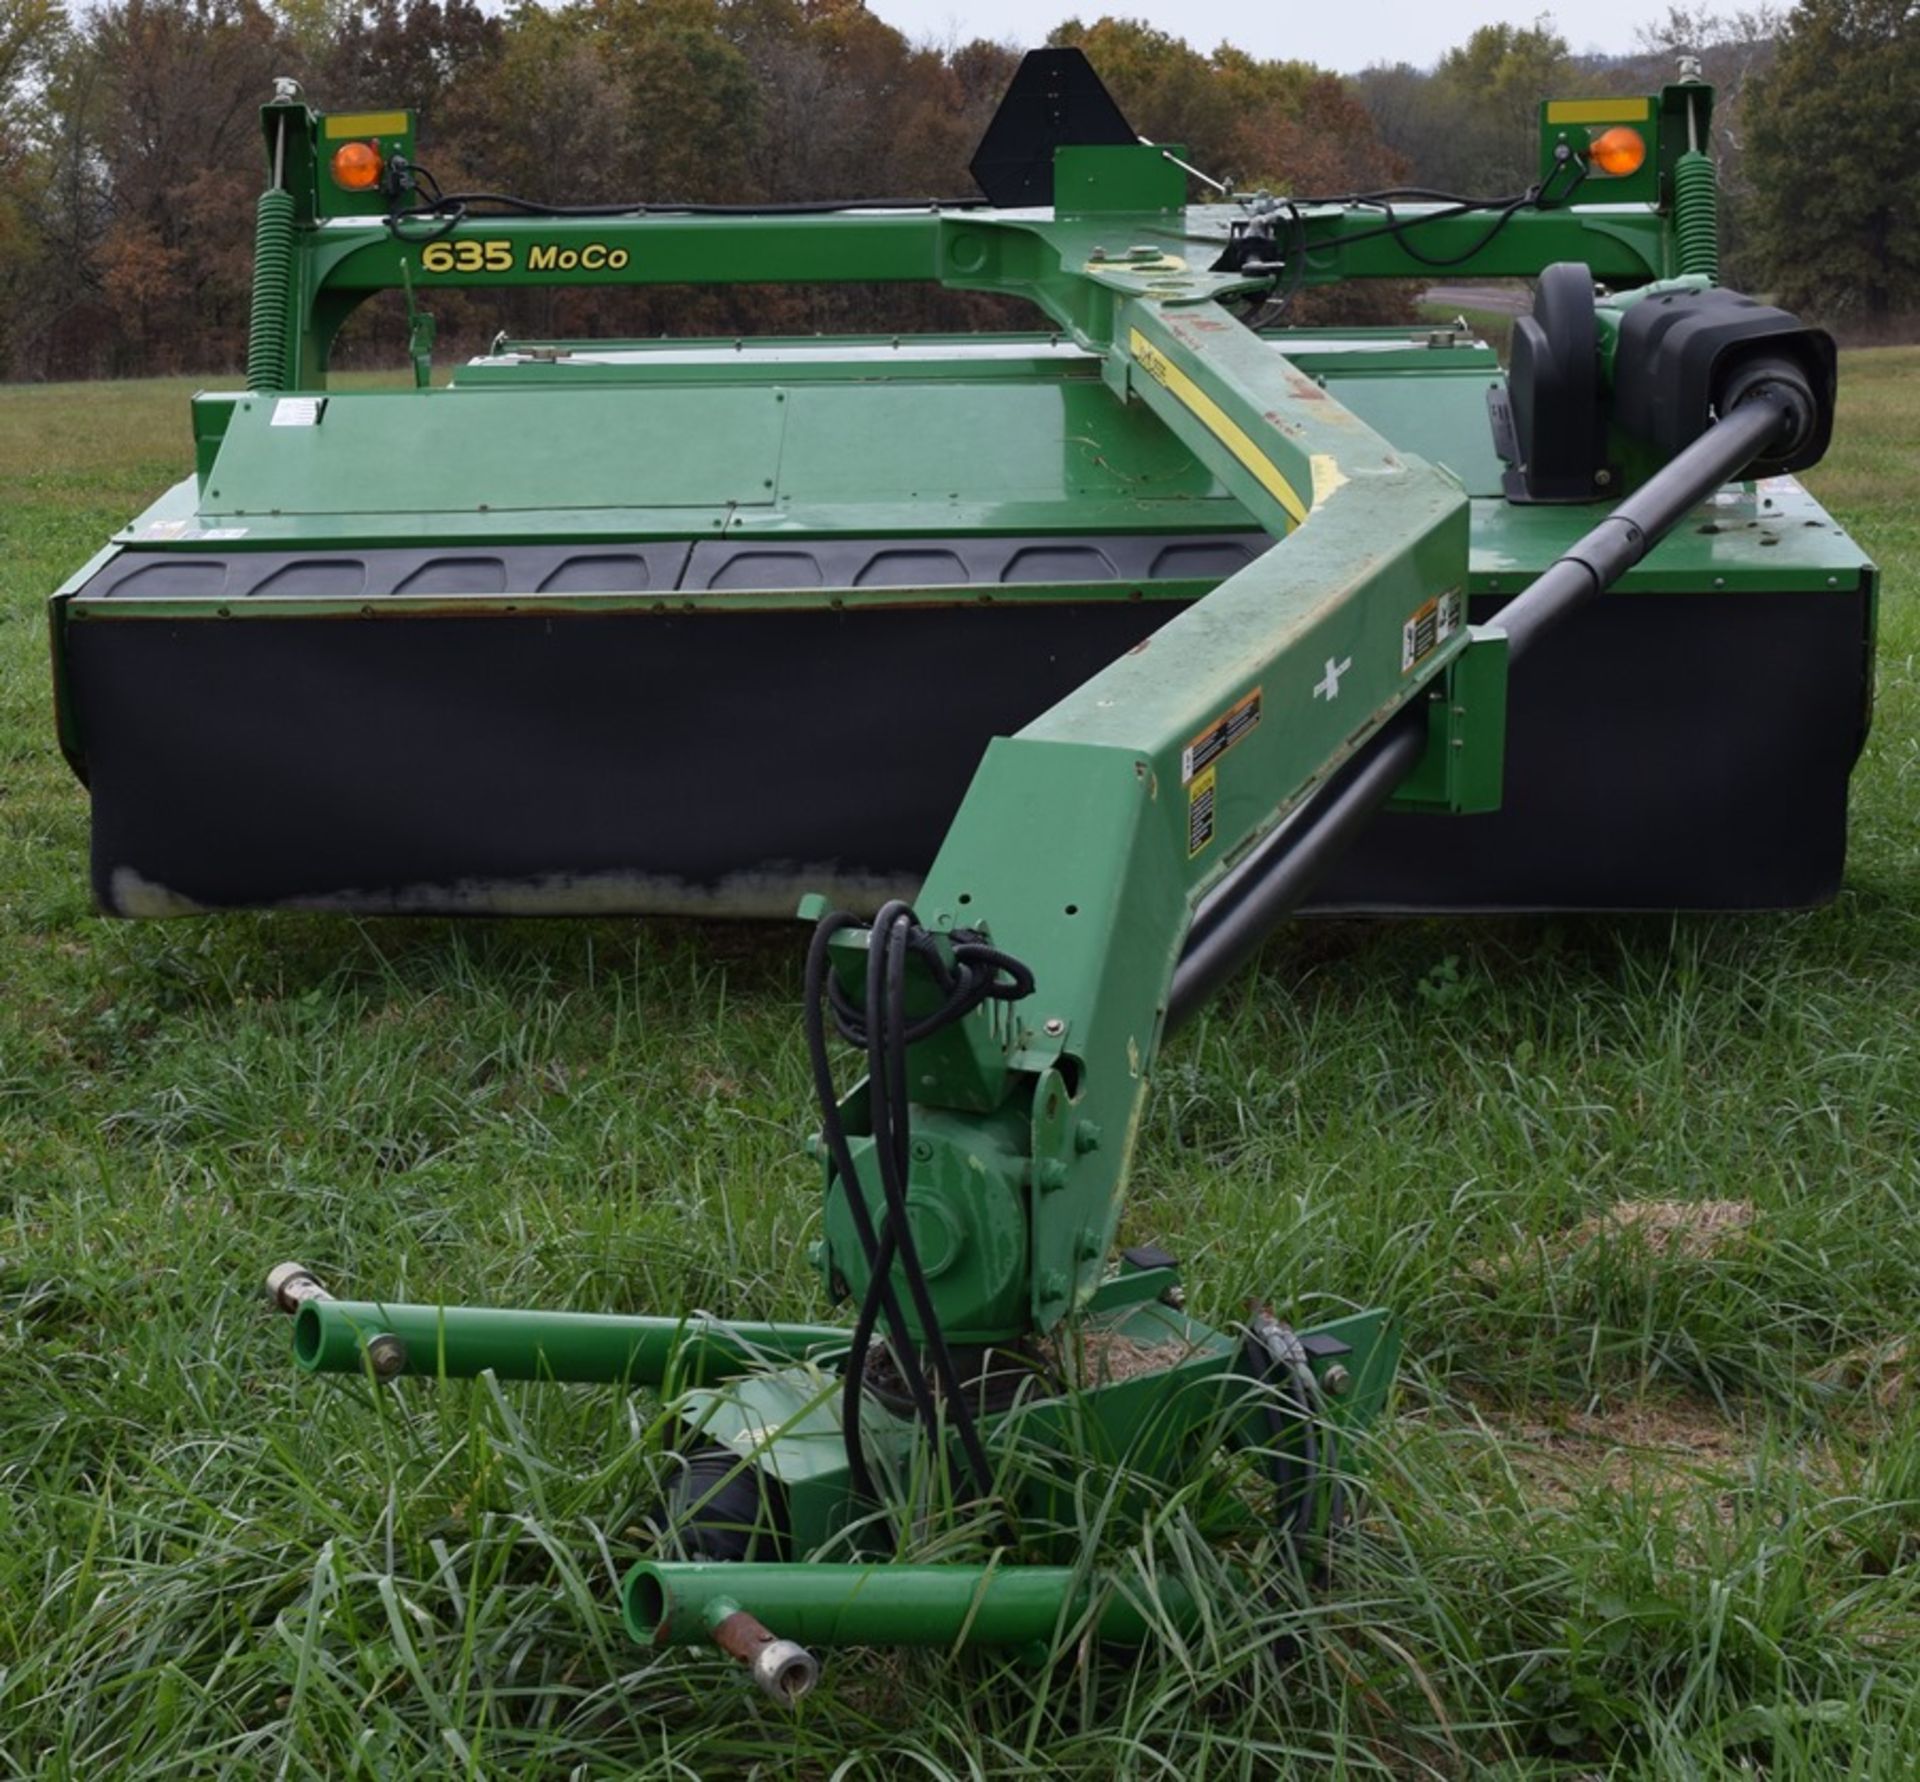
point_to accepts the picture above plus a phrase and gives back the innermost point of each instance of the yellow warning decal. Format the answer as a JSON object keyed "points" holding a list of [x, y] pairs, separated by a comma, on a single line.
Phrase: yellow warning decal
{"points": [[1220, 735], [365, 123], [1598, 111], [1200, 801], [1218, 422], [1428, 627]]}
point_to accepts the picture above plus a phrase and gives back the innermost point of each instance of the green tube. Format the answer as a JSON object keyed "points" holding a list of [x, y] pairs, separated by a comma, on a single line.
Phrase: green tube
{"points": [[681, 1604], [332, 1336]]}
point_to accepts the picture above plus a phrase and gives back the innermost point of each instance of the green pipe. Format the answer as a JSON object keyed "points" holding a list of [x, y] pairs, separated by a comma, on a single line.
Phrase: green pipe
{"points": [[333, 1336], [684, 1604]]}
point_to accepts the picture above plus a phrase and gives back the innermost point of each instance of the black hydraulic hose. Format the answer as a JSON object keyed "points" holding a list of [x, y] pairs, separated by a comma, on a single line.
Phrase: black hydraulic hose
{"points": [[887, 1104], [878, 1247], [1770, 401], [1647, 516]]}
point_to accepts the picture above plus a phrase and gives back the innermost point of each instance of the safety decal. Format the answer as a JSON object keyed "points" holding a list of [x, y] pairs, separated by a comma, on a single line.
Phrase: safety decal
{"points": [[1220, 736], [1200, 802], [1429, 628], [298, 411]]}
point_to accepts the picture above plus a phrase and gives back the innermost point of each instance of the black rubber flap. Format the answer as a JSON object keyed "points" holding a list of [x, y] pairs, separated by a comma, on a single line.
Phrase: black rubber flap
{"points": [[1054, 100]]}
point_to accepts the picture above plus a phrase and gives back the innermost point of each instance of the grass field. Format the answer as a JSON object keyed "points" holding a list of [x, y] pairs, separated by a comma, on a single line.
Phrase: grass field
{"points": [[1647, 1193]]}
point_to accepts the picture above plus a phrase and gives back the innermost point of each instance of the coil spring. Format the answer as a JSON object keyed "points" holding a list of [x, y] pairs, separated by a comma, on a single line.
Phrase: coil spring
{"points": [[1696, 213], [272, 279]]}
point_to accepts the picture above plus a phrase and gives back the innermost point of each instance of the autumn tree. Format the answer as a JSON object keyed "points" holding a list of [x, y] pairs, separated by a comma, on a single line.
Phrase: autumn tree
{"points": [[1831, 128], [30, 31]]}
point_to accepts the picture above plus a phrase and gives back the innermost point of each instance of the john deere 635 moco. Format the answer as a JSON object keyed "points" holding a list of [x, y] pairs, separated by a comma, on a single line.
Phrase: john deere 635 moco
{"points": [[1107, 644]]}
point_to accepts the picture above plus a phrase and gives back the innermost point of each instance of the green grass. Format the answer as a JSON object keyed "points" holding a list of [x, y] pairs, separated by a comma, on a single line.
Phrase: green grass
{"points": [[210, 1566]]}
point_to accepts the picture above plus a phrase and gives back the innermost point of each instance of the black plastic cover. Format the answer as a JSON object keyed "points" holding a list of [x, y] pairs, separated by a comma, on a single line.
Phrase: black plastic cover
{"points": [[1678, 351]]}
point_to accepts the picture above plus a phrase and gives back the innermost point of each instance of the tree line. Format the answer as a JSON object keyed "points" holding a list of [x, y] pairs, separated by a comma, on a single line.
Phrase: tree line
{"points": [[130, 154]]}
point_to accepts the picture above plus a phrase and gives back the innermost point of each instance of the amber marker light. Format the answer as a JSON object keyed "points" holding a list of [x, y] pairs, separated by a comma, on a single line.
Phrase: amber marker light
{"points": [[1618, 151], [356, 166]]}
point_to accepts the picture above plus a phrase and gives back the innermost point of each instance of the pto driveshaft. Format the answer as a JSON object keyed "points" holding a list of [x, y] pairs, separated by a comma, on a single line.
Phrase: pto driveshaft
{"points": [[1769, 403]]}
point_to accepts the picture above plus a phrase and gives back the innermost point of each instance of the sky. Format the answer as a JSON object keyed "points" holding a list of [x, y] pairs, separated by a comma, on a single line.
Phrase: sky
{"points": [[1346, 37]]}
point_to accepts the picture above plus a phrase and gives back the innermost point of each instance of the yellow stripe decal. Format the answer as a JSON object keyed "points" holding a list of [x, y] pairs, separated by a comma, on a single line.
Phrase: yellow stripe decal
{"points": [[1218, 422], [365, 123], [1598, 111]]}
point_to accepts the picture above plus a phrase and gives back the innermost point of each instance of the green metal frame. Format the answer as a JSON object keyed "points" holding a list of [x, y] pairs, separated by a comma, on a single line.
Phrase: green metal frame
{"points": [[1070, 261]]}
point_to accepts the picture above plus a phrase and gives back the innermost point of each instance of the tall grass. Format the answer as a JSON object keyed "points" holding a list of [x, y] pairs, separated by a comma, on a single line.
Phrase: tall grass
{"points": [[1644, 1507]]}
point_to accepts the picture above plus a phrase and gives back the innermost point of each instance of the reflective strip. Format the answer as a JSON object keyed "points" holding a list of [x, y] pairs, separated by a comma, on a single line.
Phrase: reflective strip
{"points": [[1218, 422], [1599, 111], [364, 123]]}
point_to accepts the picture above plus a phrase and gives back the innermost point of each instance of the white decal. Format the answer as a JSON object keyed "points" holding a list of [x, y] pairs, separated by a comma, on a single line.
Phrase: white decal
{"points": [[298, 411]]}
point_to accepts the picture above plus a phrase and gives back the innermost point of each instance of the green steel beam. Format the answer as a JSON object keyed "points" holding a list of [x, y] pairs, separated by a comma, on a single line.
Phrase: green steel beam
{"points": [[1085, 842], [321, 252]]}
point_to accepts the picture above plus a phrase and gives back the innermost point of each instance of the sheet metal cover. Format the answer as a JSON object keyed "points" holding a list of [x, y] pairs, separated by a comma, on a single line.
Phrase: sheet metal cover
{"points": [[467, 451]]}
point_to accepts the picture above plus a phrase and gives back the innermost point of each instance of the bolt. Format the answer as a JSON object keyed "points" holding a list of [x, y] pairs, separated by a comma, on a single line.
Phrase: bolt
{"points": [[386, 1354], [922, 1150], [1053, 1284], [1337, 1380], [1053, 1174], [1086, 1137], [1603, 479], [1054, 1026]]}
